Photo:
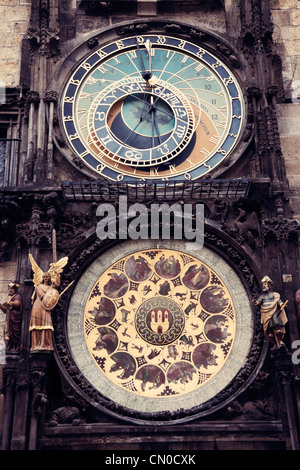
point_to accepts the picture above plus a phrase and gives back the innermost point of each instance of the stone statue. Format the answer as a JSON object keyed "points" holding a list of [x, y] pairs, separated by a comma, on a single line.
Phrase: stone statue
{"points": [[13, 308], [273, 316], [44, 298]]}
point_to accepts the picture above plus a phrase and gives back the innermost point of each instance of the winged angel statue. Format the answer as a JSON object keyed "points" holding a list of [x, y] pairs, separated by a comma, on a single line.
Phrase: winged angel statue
{"points": [[44, 299]]}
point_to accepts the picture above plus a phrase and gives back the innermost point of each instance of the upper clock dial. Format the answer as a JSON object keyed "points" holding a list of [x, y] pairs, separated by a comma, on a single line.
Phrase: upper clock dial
{"points": [[152, 107]]}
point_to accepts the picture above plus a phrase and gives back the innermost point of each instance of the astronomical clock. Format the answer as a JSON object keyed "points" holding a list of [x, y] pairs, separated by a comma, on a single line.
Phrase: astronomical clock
{"points": [[155, 329]]}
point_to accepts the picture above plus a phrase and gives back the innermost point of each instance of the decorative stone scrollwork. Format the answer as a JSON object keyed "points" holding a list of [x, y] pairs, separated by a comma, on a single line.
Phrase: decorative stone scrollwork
{"points": [[42, 210], [51, 97], [32, 97], [280, 229], [199, 35], [225, 50], [72, 228], [175, 28]]}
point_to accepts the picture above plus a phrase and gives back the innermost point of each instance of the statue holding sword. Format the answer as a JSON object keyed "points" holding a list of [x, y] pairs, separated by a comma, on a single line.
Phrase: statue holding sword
{"points": [[273, 315]]}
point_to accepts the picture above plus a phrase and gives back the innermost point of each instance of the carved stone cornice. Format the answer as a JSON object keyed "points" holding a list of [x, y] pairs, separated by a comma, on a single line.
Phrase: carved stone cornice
{"points": [[51, 97]]}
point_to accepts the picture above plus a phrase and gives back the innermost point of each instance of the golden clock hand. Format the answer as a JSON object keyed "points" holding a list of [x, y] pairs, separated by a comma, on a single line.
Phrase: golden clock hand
{"points": [[146, 75], [148, 46]]}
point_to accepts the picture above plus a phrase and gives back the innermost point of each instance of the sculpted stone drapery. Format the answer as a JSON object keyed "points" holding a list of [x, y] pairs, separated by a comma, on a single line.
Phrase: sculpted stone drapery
{"points": [[13, 308]]}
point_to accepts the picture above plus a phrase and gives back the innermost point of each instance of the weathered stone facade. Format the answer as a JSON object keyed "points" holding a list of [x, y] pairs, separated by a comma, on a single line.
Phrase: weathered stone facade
{"points": [[15, 21], [286, 19]]}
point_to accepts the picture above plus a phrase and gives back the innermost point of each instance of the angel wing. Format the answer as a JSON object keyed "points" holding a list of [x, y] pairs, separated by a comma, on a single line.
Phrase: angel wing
{"points": [[37, 271], [57, 268]]}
